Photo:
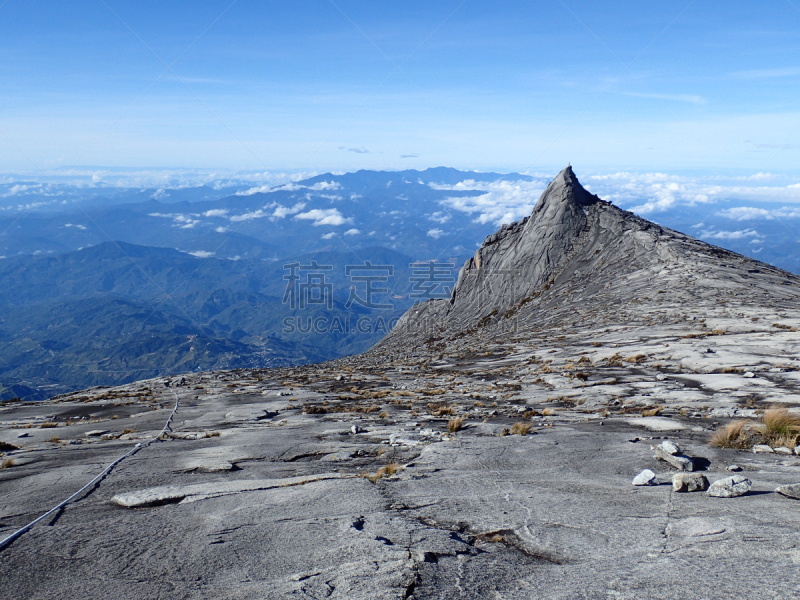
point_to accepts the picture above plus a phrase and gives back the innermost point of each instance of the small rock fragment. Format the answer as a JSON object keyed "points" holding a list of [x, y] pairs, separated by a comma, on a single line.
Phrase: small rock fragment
{"points": [[678, 461], [790, 491], [356, 429], [669, 447], [734, 468], [646, 477], [749, 374], [762, 449], [689, 482], [782, 450], [730, 487]]}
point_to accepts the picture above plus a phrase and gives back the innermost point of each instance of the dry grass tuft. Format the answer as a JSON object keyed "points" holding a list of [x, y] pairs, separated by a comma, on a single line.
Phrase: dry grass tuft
{"points": [[779, 427], [384, 414], [455, 424], [128, 430], [652, 412], [48, 425], [548, 412], [736, 434], [385, 471], [55, 439], [438, 410], [7, 463], [637, 359], [521, 428]]}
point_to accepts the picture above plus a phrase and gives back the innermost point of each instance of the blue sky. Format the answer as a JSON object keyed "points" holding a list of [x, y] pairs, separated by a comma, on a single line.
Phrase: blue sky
{"points": [[321, 85]]}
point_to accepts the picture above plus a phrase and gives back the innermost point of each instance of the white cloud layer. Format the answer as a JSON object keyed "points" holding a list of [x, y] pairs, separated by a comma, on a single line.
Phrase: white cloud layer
{"points": [[501, 202], [647, 193], [751, 213], [730, 235], [326, 216]]}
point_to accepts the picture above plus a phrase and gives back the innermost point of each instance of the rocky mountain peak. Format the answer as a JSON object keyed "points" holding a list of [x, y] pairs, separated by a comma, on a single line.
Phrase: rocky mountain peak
{"points": [[565, 189], [520, 258], [579, 257]]}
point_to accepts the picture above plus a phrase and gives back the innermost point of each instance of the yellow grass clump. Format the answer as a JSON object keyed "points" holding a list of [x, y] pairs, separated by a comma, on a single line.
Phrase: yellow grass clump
{"points": [[521, 428], [455, 424]]}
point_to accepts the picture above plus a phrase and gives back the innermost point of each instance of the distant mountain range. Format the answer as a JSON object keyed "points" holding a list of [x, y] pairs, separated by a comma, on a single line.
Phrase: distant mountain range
{"points": [[103, 290]]}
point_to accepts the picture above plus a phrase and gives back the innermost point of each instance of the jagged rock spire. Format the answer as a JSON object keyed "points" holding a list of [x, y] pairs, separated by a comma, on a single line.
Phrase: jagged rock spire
{"points": [[520, 258]]}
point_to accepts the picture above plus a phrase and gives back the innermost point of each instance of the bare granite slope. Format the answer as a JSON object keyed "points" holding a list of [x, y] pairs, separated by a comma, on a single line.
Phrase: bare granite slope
{"points": [[489, 453]]}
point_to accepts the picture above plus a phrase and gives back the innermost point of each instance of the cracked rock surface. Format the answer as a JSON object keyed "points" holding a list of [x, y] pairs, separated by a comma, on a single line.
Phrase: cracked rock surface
{"points": [[344, 479]]}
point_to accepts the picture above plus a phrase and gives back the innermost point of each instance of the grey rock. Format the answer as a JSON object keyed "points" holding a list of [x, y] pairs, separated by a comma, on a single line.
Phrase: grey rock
{"points": [[337, 457], [762, 449], [689, 482], [407, 439], [646, 477], [790, 491], [203, 491], [734, 468], [730, 487], [678, 461], [669, 447], [783, 450], [356, 429], [243, 415], [749, 374], [24, 434], [96, 432]]}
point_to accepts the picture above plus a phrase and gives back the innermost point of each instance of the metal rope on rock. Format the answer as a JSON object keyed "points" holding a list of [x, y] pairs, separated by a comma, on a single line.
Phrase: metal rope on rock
{"points": [[5, 542]]}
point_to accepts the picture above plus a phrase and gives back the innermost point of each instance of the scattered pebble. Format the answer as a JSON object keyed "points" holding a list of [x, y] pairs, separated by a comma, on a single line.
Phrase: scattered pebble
{"points": [[669, 447], [646, 477], [730, 487], [762, 449], [689, 482], [790, 491], [734, 468]]}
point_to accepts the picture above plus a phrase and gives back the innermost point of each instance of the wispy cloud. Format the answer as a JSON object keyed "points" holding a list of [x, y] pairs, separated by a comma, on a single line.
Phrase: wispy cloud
{"points": [[356, 150], [768, 73], [409, 156], [691, 98], [435, 233]]}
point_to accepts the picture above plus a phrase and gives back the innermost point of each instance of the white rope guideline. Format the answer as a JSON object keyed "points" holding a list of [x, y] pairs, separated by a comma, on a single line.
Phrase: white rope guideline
{"points": [[99, 477]]}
